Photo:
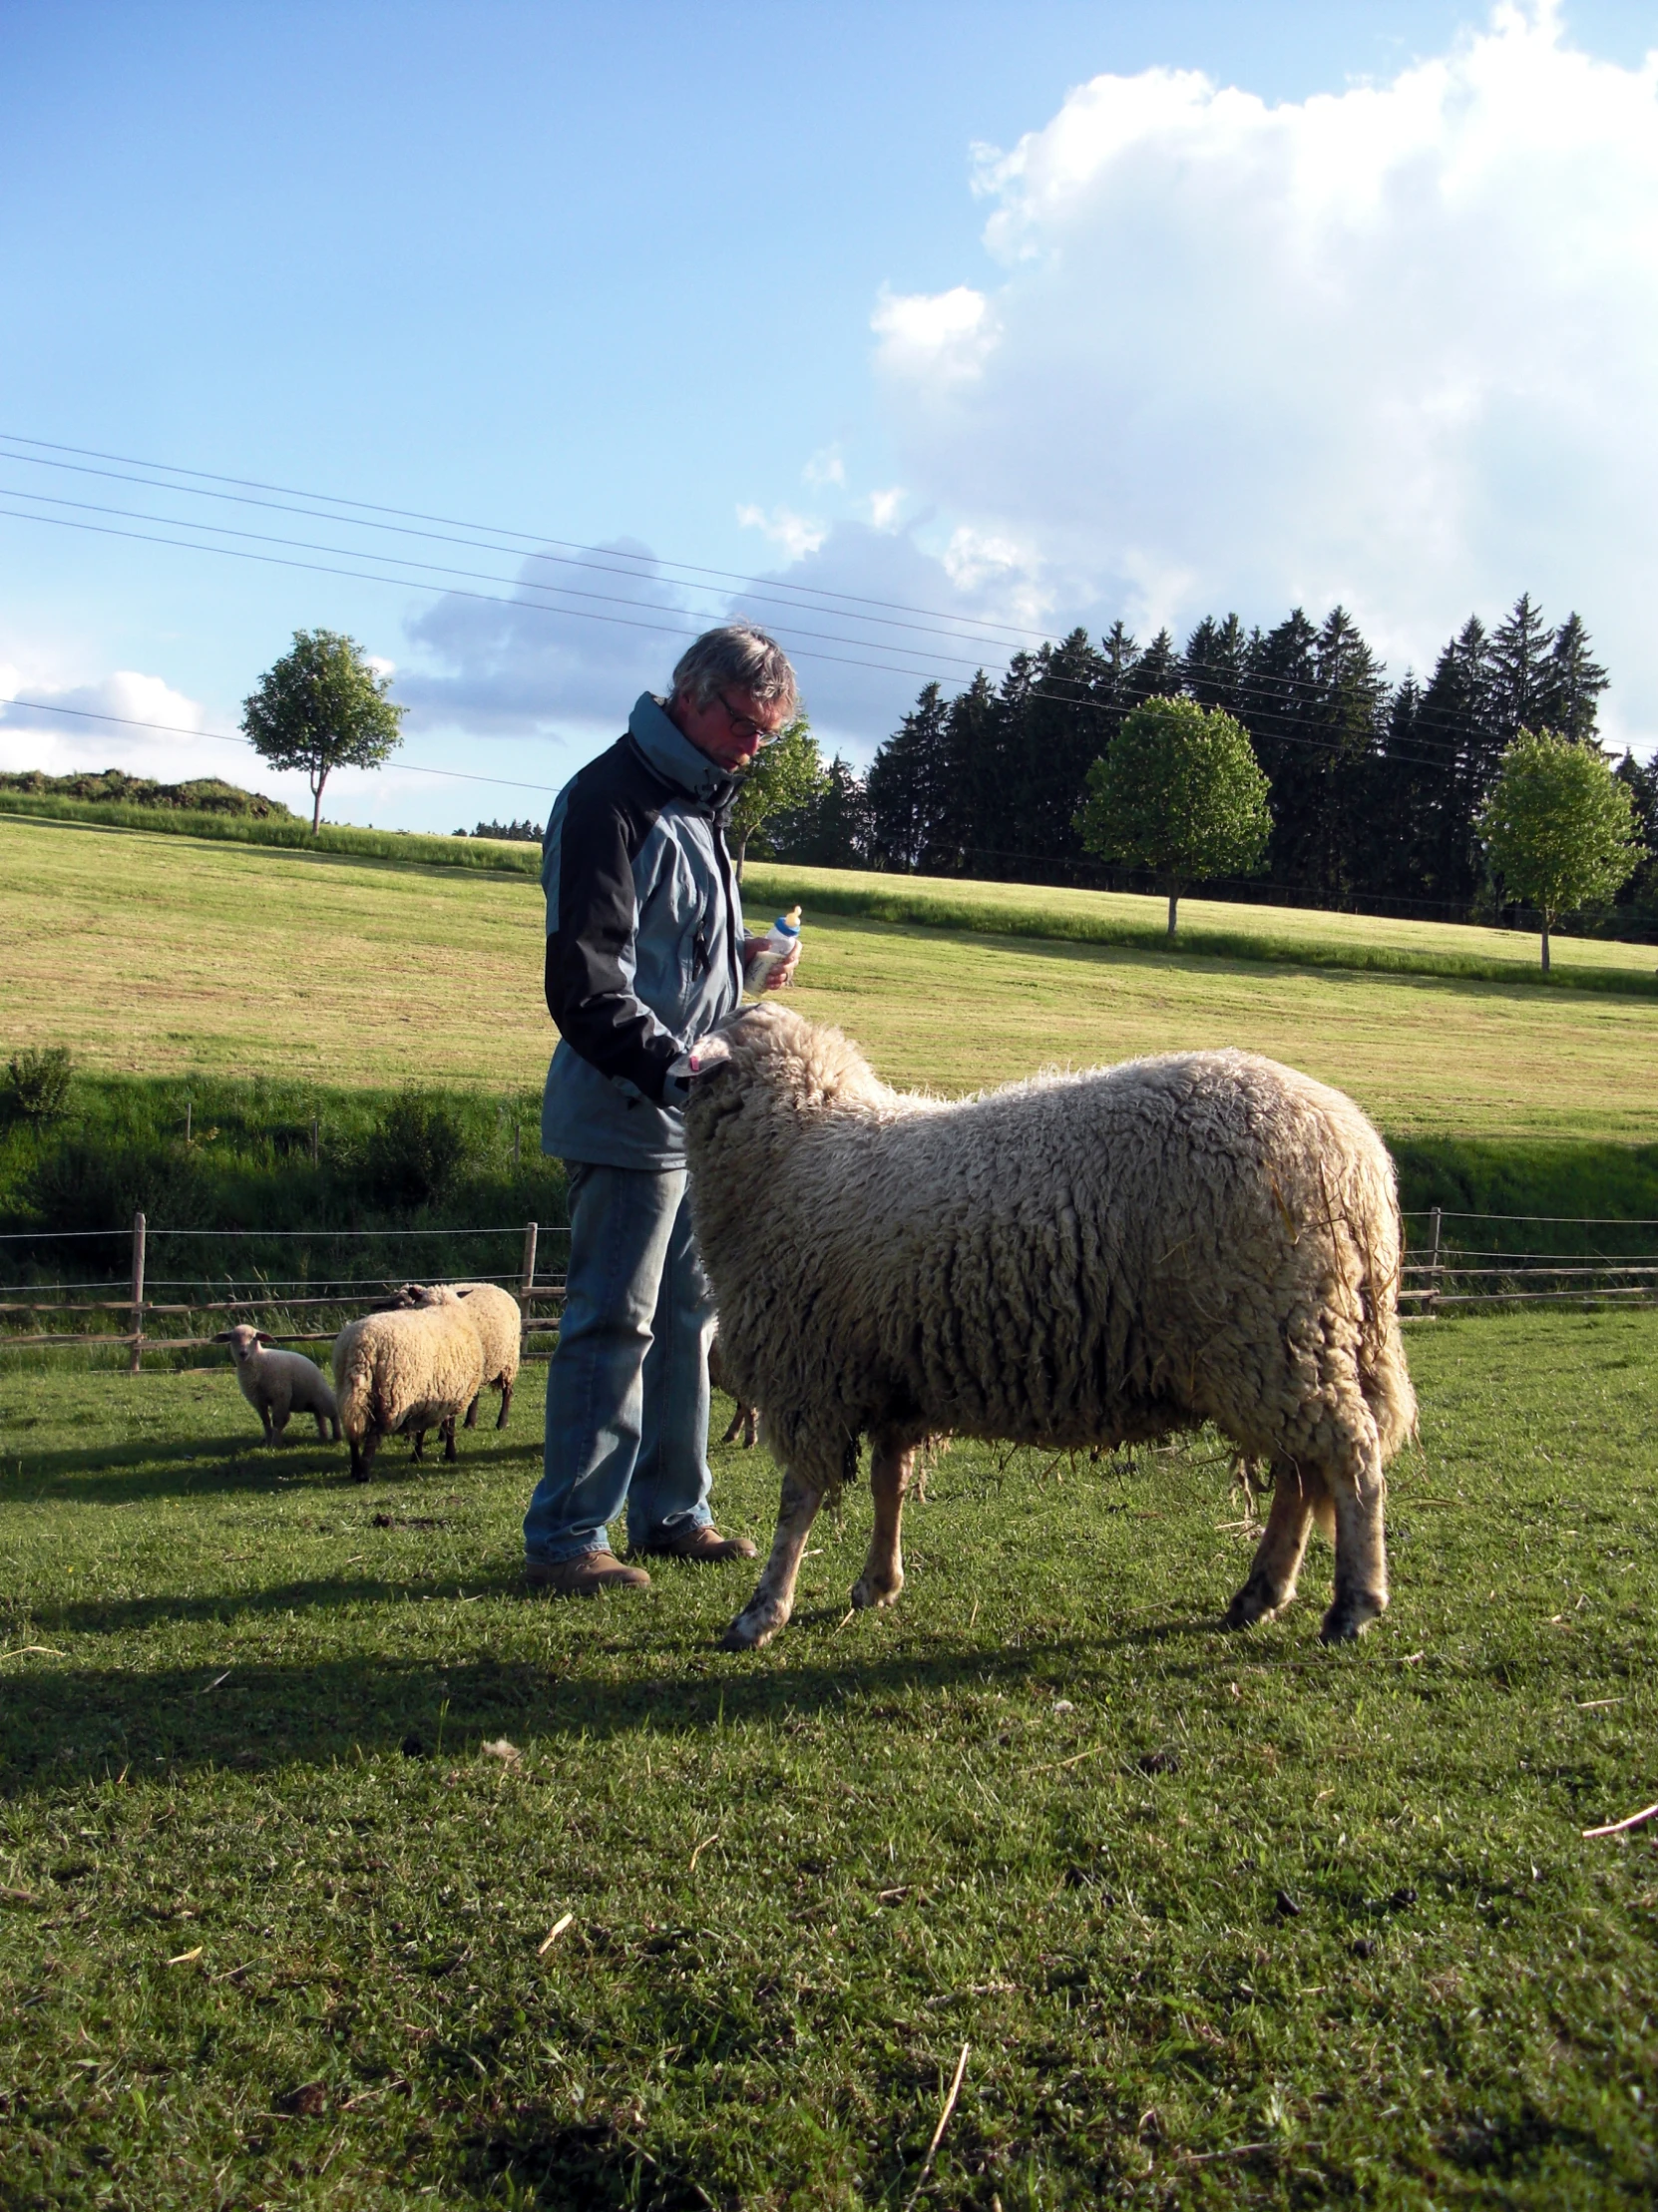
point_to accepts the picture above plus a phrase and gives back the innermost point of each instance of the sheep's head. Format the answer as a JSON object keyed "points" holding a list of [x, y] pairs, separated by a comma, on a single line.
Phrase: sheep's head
{"points": [[242, 1340], [768, 1059], [420, 1294]]}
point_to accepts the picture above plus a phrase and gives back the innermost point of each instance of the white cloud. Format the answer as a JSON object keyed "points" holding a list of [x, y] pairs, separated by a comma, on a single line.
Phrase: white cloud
{"points": [[943, 336], [796, 534], [1396, 346], [883, 506]]}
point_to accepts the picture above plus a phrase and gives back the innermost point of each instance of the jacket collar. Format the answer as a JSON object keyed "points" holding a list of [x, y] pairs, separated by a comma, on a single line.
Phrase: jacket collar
{"points": [[675, 759]]}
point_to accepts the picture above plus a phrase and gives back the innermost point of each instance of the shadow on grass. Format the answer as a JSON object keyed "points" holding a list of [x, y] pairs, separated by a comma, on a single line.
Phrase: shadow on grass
{"points": [[200, 1467], [257, 1718]]}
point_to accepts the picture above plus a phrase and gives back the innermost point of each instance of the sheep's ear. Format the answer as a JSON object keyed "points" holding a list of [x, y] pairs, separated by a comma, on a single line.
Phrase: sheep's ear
{"points": [[259, 1337], [710, 1052], [223, 1337]]}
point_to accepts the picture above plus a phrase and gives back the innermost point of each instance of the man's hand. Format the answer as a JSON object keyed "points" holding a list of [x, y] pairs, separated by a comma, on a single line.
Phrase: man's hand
{"points": [[782, 974]]}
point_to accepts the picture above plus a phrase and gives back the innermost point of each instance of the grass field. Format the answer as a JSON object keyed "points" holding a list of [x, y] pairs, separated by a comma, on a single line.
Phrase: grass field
{"points": [[156, 955], [293, 1784]]}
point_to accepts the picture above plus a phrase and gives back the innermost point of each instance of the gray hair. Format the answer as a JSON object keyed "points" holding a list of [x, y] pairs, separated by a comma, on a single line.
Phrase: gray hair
{"points": [[738, 657]]}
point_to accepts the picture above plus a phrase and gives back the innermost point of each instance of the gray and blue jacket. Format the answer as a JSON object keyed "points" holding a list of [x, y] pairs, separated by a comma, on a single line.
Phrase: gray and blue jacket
{"points": [[644, 939]]}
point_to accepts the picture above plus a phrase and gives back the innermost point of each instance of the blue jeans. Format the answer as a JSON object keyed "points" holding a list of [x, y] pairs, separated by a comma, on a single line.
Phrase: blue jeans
{"points": [[628, 1389]]}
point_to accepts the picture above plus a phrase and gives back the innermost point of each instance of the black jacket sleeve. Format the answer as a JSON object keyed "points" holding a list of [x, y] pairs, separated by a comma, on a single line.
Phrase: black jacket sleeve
{"points": [[590, 955]]}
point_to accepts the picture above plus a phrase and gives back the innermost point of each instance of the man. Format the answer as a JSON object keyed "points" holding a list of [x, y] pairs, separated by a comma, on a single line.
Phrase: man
{"points": [[646, 953]]}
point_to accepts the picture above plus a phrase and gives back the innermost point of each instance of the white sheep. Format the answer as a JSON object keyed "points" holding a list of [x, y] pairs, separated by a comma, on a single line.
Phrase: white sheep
{"points": [[1090, 1259], [402, 1373], [277, 1384], [496, 1315]]}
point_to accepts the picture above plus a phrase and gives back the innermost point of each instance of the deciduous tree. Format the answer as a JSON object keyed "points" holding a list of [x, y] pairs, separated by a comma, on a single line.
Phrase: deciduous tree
{"points": [[1560, 827], [1180, 791], [323, 707], [787, 775]]}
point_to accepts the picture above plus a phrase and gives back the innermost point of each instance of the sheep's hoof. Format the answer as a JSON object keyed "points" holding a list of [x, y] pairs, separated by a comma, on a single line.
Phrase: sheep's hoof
{"points": [[867, 1595], [1348, 1617], [1254, 1604], [754, 1626]]}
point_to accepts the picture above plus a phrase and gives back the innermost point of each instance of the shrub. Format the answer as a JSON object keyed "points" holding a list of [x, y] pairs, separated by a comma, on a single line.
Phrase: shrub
{"points": [[413, 1150], [37, 1084]]}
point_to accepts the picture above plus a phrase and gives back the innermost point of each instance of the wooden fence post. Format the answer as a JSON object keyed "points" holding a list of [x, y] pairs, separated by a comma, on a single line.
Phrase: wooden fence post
{"points": [[526, 1273], [1433, 1269], [315, 1133], [133, 1363]]}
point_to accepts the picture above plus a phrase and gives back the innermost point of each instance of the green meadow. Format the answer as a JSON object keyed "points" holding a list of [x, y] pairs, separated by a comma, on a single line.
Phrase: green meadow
{"points": [[296, 1784], [337, 1871]]}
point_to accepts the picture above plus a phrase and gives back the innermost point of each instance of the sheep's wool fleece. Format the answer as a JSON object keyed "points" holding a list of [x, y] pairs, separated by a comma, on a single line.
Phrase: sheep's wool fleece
{"points": [[408, 1370], [1092, 1259], [496, 1315]]}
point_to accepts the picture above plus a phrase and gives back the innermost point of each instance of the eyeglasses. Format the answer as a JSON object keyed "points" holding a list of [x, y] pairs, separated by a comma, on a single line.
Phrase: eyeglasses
{"points": [[744, 726]]}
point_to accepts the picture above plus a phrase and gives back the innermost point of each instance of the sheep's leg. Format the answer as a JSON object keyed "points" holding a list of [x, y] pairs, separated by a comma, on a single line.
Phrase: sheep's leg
{"points": [[322, 1421], [445, 1430], [362, 1454], [472, 1413], [883, 1575], [750, 1428], [417, 1445], [1277, 1562], [1361, 1552], [506, 1405], [737, 1418], [773, 1600]]}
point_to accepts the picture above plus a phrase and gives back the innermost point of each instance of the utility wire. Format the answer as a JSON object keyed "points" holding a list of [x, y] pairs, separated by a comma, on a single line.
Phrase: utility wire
{"points": [[368, 507], [496, 598], [220, 737], [1063, 689]]}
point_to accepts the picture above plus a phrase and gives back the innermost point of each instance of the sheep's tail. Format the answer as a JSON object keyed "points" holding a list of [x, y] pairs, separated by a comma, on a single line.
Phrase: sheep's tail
{"points": [[354, 1387]]}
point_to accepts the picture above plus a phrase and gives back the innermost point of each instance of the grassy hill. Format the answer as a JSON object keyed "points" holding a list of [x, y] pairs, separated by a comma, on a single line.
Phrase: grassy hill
{"points": [[157, 956], [296, 1782]]}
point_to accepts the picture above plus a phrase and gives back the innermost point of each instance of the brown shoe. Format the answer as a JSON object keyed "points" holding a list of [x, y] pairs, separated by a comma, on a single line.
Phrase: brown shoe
{"points": [[703, 1544], [584, 1575]]}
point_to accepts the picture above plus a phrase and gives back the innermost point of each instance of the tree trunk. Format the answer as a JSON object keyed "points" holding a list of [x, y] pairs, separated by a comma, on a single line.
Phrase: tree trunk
{"points": [[738, 857], [1545, 944], [1173, 904], [316, 792]]}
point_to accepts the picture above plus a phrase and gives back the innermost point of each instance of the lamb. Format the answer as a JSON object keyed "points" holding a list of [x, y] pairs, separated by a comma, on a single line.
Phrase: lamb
{"points": [[1076, 1260], [745, 1421], [277, 1384], [405, 1371], [496, 1315]]}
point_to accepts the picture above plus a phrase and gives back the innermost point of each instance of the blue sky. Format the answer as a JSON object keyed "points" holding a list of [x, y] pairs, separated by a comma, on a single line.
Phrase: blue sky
{"points": [[1025, 315]]}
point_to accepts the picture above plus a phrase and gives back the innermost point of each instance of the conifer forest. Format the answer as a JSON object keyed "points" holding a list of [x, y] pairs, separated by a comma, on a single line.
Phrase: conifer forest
{"points": [[1375, 786]]}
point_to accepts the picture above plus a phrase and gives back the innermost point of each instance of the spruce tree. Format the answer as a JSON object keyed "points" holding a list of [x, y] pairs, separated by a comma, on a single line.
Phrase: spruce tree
{"points": [[1573, 684], [1212, 665], [1518, 675]]}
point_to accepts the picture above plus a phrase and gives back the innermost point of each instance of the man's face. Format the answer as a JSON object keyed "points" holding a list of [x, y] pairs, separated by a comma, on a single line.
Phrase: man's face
{"points": [[731, 729]]}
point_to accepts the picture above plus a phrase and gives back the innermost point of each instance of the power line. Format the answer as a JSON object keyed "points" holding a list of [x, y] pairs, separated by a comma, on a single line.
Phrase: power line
{"points": [[220, 737], [415, 514], [590, 560], [365, 576], [1064, 690]]}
